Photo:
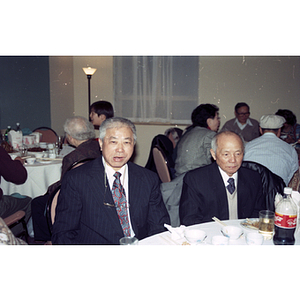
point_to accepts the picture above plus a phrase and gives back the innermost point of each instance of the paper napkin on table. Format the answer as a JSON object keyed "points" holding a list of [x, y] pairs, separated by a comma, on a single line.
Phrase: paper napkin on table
{"points": [[176, 232]]}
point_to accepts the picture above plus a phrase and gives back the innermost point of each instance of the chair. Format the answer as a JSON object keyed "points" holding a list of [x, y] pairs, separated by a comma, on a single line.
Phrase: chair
{"points": [[271, 182], [15, 219], [52, 201], [161, 164], [48, 134]]}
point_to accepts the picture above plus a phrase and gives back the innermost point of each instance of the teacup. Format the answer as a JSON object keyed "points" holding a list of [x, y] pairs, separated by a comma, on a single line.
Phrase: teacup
{"points": [[254, 238], [30, 160]]}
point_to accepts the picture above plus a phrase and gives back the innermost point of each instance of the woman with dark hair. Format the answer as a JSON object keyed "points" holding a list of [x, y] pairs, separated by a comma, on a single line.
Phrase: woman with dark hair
{"points": [[193, 149], [290, 131]]}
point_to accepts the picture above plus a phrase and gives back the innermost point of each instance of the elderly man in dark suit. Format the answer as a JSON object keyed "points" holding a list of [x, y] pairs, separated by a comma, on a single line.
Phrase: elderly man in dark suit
{"points": [[110, 197], [223, 189]]}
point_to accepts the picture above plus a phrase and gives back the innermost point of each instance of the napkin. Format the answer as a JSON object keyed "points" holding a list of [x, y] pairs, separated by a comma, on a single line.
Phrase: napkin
{"points": [[176, 232]]}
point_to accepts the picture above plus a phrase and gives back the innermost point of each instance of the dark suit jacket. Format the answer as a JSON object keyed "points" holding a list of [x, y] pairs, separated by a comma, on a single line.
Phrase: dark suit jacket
{"points": [[82, 218], [204, 195]]}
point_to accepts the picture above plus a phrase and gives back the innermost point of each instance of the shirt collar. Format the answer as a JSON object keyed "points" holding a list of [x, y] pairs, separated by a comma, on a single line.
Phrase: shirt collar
{"points": [[241, 126], [225, 177]]}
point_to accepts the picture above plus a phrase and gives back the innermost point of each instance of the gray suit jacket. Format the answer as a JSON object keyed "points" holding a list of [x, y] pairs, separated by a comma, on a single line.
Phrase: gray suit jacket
{"points": [[204, 195], [82, 218], [193, 150]]}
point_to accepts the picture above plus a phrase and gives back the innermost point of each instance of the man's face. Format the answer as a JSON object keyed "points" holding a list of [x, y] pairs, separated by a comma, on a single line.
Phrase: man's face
{"points": [[242, 114], [117, 146], [95, 119], [229, 155], [214, 123]]}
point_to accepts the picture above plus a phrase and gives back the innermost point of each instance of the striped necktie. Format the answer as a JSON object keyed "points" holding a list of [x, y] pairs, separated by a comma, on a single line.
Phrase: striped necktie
{"points": [[230, 186]]}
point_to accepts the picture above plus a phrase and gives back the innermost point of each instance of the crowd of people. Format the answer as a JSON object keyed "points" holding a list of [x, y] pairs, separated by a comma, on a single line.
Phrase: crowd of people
{"points": [[108, 197]]}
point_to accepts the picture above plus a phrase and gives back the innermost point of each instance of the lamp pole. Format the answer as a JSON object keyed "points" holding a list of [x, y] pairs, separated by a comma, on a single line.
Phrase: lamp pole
{"points": [[89, 72]]}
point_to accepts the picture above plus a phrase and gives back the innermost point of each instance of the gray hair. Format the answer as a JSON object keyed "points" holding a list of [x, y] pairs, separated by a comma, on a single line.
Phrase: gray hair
{"points": [[214, 141], [116, 122], [79, 128]]}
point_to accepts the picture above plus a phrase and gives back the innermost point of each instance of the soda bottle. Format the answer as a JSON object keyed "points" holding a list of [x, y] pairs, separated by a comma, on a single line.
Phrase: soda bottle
{"points": [[18, 127], [6, 132], [285, 219]]}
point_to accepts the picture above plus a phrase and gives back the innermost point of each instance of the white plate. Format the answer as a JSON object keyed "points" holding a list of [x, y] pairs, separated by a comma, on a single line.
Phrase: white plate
{"points": [[250, 223]]}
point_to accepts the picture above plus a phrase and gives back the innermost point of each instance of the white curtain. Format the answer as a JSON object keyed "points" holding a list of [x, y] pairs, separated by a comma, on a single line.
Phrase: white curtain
{"points": [[148, 89]]}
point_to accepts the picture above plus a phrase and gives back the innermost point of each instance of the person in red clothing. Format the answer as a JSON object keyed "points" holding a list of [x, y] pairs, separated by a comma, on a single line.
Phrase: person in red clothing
{"points": [[13, 171]]}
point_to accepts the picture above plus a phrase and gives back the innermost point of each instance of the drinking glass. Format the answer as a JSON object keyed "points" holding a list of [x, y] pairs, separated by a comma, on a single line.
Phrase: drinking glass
{"points": [[266, 224], [129, 241]]}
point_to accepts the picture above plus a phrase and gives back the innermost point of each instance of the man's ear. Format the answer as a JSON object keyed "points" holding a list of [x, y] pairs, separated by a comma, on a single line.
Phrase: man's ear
{"points": [[213, 154], [100, 143], [260, 130]]}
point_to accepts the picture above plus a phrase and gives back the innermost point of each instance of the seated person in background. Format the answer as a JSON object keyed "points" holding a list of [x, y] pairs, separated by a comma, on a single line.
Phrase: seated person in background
{"points": [[166, 146], [109, 197], [290, 131], [79, 133], [248, 128], [174, 134], [193, 149], [222, 189], [272, 152], [100, 111], [13, 171]]}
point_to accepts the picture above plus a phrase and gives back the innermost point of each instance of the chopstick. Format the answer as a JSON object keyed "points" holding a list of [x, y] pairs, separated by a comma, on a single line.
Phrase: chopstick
{"points": [[46, 159], [218, 221]]}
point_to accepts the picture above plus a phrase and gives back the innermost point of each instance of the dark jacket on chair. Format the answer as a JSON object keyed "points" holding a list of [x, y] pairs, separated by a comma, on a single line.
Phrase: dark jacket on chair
{"points": [[271, 182]]}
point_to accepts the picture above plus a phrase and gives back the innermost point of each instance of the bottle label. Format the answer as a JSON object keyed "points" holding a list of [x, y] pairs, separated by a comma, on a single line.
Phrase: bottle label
{"points": [[285, 221]]}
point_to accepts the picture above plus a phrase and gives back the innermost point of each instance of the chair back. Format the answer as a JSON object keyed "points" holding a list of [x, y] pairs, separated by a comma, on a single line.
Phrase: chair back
{"points": [[161, 164], [52, 201], [48, 134]]}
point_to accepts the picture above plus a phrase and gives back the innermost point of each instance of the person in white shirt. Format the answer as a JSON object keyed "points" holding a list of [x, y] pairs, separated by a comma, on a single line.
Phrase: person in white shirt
{"points": [[272, 152], [248, 128]]}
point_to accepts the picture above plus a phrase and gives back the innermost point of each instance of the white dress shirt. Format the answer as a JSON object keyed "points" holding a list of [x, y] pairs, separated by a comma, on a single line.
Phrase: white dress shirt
{"points": [[124, 181]]}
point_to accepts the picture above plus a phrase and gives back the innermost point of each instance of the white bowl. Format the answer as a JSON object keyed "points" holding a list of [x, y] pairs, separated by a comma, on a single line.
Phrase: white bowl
{"points": [[220, 240], [39, 154], [254, 238], [232, 232], [194, 236], [31, 160]]}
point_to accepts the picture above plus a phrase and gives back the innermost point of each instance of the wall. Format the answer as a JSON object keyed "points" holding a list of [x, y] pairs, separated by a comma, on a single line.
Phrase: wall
{"points": [[61, 91], [24, 91], [265, 83]]}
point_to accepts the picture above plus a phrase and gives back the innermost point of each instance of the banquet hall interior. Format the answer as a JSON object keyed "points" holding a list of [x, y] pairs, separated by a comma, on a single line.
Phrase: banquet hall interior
{"points": [[45, 90]]}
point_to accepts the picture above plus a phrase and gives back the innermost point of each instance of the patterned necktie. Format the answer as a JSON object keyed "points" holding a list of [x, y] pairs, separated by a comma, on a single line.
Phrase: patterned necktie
{"points": [[231, 186], [119, 197]]}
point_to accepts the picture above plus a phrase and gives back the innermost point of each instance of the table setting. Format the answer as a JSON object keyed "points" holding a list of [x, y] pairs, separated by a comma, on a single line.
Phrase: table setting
{"points": [[229, 232]]}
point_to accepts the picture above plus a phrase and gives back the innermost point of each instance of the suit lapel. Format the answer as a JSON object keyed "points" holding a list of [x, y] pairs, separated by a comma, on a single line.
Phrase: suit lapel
{"points": [[135, 193], [102, 192], [220, 193]]}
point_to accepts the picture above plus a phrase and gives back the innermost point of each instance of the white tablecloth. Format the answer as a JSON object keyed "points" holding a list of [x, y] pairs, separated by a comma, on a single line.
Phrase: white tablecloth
{"points": [[211, 229], [40, 176]]}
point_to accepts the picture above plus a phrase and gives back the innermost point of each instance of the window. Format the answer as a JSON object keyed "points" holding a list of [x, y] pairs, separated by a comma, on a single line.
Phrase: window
{"points": [[156, 89]]}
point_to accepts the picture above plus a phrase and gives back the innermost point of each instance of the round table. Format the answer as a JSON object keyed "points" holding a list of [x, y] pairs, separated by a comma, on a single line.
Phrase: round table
{"points": [[40, 176], [211, 229]]}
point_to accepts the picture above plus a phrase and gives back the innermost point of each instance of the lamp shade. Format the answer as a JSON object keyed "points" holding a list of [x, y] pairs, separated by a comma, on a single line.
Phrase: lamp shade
{"points": [[89, 70]]}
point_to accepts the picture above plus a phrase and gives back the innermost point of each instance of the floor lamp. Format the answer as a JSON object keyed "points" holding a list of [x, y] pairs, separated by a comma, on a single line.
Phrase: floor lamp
{"points": [[89, 72]]}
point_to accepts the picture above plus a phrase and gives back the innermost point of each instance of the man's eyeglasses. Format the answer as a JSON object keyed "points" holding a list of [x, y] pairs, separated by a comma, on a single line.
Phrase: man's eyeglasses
{"points": [[243, 114]]}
